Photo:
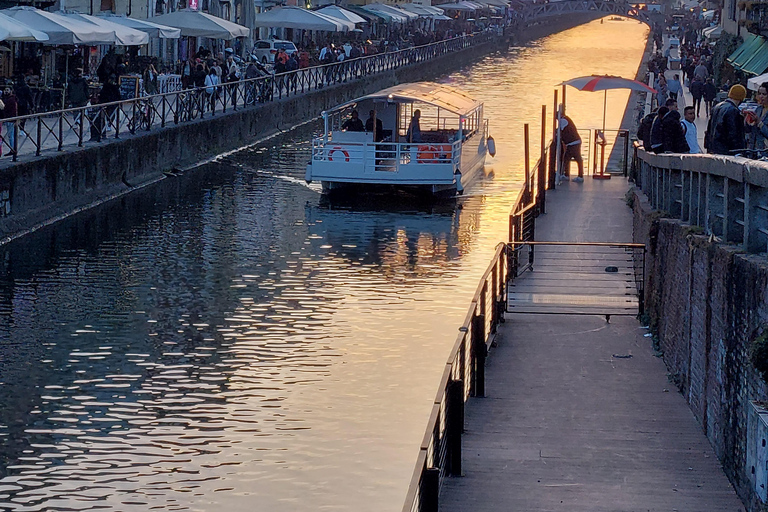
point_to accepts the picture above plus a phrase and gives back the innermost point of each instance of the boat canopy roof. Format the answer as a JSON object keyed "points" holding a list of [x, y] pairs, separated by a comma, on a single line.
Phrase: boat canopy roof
{"points": [[439, 95]]}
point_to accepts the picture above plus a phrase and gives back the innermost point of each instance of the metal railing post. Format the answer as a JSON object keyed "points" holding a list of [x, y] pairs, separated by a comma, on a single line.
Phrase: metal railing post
{"points": [[15, 141], [39, 136], [61, 131], [430, 490], [454, 424], [479, 354]]}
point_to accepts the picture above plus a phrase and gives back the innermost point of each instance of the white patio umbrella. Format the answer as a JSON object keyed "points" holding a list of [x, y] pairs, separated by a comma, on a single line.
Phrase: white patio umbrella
{"points": [[153, 29], [60, 29], [299, 18], [14, 30], [124, 36], [200, 24], [335, 11]]}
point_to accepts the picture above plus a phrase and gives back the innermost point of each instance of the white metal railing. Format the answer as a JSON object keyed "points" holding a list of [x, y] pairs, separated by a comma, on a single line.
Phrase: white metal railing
{"points": [[386, 156], [29, 136]]}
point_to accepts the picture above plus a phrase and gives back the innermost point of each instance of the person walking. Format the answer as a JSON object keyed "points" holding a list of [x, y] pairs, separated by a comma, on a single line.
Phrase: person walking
{"points": [[9, 111], [697, 92], [710, 93], [77, 93], [725, 130], [691, 133], [212, 88]]}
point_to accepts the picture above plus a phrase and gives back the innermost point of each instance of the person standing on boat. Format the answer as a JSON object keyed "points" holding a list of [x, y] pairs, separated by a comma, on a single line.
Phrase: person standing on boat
{"points": [[354, 123], [378, 132], [414, 128], [571, 141]]}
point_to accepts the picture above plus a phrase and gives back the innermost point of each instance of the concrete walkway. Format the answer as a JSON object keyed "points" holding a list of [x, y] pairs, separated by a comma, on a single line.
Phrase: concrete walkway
{"points": [[579, 414]]}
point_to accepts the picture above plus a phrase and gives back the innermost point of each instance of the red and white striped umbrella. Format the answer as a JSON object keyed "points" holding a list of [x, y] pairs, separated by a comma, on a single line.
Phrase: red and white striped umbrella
{"points": [[605, 82]]}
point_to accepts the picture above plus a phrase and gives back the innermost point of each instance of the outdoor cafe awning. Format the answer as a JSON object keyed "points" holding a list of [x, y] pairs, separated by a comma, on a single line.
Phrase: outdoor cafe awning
{"points": [[459, 6], [337, 12], [200, 24], [14, 30], [124, 36], [300, 18], [60, 29], [752, 56], [153, 29], [755, 82]]}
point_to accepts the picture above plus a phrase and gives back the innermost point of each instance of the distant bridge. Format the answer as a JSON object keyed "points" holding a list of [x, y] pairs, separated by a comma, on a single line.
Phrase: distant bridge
{"points": [[534, 12]]}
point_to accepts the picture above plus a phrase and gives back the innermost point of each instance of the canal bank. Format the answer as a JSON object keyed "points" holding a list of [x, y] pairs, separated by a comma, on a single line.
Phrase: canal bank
{"points": [[47, 188]]}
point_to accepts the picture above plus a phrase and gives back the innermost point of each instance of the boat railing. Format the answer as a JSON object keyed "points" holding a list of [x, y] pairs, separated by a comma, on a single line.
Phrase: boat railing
{"points": [[386, 156]]}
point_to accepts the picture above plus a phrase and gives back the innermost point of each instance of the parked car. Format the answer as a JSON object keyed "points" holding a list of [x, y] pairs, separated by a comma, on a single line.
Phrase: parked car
{"points": [[265, 50]]}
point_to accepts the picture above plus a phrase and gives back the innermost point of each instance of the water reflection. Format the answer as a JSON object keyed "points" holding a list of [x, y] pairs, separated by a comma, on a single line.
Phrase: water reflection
{"points": [[231, 340]]}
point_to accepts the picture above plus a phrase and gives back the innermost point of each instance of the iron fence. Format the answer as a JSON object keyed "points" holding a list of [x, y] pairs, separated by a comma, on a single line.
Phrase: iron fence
{"points": [[32, 134]]}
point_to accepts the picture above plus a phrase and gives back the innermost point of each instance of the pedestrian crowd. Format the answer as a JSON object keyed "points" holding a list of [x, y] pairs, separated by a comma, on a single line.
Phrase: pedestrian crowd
{"points": [[733, 125]]}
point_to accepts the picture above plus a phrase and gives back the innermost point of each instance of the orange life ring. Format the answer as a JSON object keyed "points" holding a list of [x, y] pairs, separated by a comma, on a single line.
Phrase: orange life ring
{"points": [[428, 155], [338, 148]]}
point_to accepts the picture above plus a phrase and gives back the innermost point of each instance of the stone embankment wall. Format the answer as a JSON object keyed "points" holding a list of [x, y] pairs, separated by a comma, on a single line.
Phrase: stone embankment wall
{"points": [[705, 302], [38, 192]]}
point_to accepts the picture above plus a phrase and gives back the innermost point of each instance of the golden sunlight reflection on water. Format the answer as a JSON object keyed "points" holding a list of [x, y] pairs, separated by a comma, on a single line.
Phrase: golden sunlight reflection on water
{"points": [[248, 348]]}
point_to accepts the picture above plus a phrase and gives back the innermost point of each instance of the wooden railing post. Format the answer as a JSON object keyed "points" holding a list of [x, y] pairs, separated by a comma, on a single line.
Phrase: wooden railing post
{"points": [[454, 424]]}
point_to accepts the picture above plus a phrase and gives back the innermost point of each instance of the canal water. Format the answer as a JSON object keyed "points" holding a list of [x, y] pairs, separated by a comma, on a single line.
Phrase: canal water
{"points": [[229, 341]]}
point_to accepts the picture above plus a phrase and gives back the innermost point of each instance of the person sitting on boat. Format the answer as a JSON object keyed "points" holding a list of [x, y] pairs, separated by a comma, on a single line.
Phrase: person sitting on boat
{"points": [[414, 128], [353, 124], [378, 132]]}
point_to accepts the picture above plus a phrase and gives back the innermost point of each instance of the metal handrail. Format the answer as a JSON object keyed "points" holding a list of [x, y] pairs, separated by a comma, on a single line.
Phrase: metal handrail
{"points": [[32, 134], [464, 376]]}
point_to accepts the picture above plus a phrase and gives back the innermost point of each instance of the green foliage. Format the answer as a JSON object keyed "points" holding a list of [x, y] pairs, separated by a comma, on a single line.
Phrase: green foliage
{"points": [[725, 46], [758, 354]]}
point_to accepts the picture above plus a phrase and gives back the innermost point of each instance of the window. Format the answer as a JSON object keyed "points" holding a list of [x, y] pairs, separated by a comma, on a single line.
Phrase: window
{"points": [[732, 9], [108, 5]]}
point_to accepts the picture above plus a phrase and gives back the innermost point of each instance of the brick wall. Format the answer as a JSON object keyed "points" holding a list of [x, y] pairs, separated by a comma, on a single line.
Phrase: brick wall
{"points": [[705, 303]]}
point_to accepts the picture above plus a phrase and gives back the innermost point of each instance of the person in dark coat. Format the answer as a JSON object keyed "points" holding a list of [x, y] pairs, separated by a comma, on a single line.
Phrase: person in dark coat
{"points": [[23, 98], [657, 140], [77, 90], [378, 134], [725, 130], [672, 133], [697, 91], [710, 93], [109, 93]]}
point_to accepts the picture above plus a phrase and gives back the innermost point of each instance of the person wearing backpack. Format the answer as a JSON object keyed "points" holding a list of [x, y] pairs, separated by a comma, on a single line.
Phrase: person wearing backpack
{"points": [[644, 130]]}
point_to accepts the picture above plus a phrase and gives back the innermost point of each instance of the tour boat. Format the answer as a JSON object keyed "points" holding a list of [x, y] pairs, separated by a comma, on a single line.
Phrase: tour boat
{"points": [[447, 154]]}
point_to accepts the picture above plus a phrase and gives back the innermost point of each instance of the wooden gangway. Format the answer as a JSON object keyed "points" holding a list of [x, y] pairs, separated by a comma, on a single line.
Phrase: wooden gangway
{"points": [[578, 413]]}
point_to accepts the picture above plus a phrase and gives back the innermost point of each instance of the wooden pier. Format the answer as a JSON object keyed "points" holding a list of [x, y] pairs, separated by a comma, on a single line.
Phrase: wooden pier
{"points": [[579, 414]]}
